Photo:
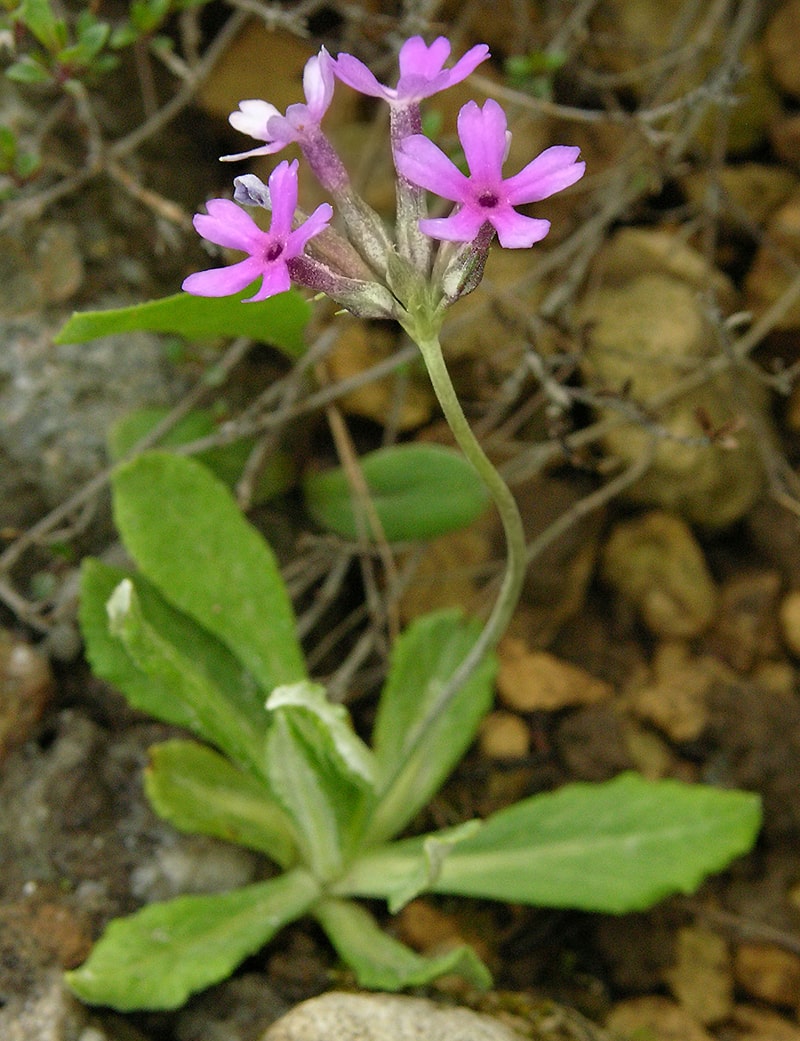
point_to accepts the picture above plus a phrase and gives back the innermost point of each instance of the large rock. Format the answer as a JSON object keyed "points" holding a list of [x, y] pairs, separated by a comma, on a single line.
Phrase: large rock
{"points": [[647, 334], [383, 1017], [57, 403]]}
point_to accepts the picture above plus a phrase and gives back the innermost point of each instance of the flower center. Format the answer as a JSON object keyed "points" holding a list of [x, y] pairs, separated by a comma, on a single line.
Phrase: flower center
{"points": [[273, 251], [487, 199]]}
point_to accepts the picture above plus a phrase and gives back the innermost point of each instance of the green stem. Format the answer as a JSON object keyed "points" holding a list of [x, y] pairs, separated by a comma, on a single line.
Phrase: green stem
{"points": [[512, 525]]}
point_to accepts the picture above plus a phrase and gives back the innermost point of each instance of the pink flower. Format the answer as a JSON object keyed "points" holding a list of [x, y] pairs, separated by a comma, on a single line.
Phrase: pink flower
{"points": [[422, 71], [264, 122], [485, 196], [269, 252]]}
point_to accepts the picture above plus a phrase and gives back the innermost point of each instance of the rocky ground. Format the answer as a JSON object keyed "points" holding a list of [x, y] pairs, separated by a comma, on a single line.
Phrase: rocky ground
{"points": [[636, 379]]}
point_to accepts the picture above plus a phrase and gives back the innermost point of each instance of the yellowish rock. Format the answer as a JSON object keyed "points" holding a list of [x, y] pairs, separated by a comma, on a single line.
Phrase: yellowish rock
{"points": [[643, 338], [503, 735], [780, 45], [655, 562], [675, 698], [408, 398], [27, 686], [530, 681], [702, 978], [768, 974], [753, 1023], [756, 190], [790, 621], [633, 252], [657, 1019], [768, 280]]}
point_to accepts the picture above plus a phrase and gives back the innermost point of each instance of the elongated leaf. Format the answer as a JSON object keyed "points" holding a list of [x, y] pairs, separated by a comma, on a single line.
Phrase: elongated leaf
{"points": [[187, 535], [310, 795], [226, 462], [327, 728], [209, 710], [618, 846], [111, 662], [199, 791], [423, 659], [279, 321], [419, 491], [382, 963], [156, 958], [319, 769]]}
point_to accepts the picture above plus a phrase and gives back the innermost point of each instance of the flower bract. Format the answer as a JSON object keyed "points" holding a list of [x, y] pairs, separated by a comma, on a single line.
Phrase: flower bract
{"points": [[264, 122], [422, 71], [485, 195], [269, 252]]}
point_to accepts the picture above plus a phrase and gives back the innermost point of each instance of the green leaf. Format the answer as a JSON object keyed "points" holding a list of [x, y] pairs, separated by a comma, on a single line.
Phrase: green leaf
{"points": [[227, 461], [280, 320], [38, 17], [381, 963], [423, 659], [326, 727], [200, 792], [111, 662], [90, 42], [186, 533], [156, 958], [435, 849], [28, 70], [318, 769], [312, 799], [210, 712], [419, 491], [615, 847]]}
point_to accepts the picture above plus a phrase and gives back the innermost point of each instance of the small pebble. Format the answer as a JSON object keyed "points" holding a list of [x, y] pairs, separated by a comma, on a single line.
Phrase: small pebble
{"points": [[503, 735]]}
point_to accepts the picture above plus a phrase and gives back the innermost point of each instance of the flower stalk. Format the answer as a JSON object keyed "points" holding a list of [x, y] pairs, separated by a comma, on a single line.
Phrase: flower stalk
{"points": [[412, 277]]}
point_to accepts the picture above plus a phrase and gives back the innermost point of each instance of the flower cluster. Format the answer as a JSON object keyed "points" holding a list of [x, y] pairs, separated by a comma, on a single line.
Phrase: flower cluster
{"points": [[365, 270]]}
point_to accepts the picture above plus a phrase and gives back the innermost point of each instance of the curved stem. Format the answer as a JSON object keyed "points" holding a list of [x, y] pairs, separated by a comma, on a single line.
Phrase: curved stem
{"points": [[512, 525]]}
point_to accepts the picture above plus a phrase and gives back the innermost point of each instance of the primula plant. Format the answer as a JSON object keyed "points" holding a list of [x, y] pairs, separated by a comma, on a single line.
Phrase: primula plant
{"points": [[202, 634]]}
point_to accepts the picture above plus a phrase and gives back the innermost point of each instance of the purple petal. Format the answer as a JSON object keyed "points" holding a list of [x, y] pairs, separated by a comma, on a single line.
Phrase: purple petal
{"points": [[461, 226], [316, 223], [252, 118], [467, 64], [283, 131], [276, 280], [270, 149], [425, 164], [226, 224], [416, 58], [223, 281], [318, 83], [283, 196], [356, 75], [482, 133], [515, 231], [550, 172]]}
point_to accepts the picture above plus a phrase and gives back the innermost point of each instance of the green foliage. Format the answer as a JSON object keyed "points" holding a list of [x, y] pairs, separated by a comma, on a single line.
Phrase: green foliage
{"points": [[618, 846], [198, 790], [419, 491], [16, 163], [227, 462], [188, 537], [62, 51], [202, 635], [534, 72], [279, 321], [161, 955]]}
